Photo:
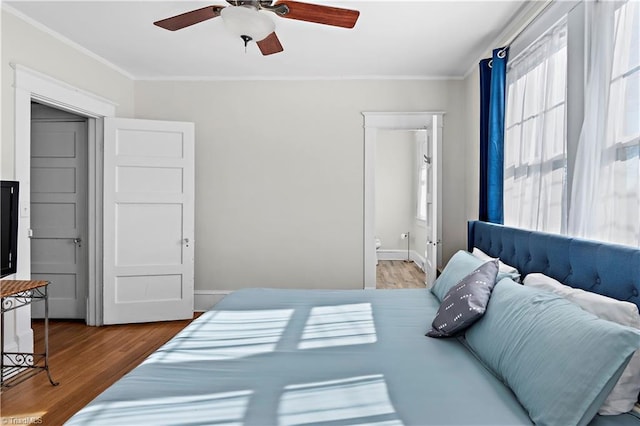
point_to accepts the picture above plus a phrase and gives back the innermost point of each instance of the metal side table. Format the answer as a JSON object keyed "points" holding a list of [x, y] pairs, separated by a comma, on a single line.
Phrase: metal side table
{"points": [[16, 367]]}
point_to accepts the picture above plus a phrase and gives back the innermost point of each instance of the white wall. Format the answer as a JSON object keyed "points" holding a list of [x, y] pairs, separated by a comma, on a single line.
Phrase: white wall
{"points": [[455, 151], [395, 187], [472, 157], [418, 227], [26, 45], [279, 173]]}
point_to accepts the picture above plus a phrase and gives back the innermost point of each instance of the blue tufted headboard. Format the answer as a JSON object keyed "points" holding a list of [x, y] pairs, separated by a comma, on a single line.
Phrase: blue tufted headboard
{"points": [[608, 269]]}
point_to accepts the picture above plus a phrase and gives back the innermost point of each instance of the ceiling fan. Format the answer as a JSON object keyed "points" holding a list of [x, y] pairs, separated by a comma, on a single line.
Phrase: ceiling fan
{"points": [[243, 18]]}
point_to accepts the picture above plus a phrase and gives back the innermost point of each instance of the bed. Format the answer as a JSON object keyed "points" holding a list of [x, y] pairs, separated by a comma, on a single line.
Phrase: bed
{"points": [[310, 357]]}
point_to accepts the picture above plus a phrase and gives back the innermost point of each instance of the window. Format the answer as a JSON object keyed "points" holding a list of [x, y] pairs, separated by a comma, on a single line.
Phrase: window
{"points": [[535, 137], [584, 178], [619, 212], [422, 193], [423, 167]]}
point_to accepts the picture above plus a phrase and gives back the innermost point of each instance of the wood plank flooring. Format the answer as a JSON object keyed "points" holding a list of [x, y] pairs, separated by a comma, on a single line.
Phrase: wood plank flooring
{"points": [[85, 360], [392, 274]]}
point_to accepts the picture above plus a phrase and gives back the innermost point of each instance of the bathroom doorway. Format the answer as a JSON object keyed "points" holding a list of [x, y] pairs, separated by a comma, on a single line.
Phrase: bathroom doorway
{"points": [[400, 208], [418, 124]]}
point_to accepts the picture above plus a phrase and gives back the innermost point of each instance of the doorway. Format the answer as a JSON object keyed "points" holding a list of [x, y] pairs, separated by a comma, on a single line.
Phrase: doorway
{"points": [[401, 205], [59, 210], [33, 86], [432, 124]]}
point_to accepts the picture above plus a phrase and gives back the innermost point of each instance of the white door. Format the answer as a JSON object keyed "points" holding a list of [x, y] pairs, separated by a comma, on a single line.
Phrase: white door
{"points": [[148, 220], [432, 148], [59, 214]]}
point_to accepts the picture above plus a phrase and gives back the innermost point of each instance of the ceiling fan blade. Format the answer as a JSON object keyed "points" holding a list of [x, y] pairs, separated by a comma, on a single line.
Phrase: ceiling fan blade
{"points": [[189, 18], [270, 45], [319, 14]]}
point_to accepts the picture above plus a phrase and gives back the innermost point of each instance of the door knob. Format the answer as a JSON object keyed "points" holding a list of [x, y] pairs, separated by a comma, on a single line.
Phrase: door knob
{"points": [[77, 241]]}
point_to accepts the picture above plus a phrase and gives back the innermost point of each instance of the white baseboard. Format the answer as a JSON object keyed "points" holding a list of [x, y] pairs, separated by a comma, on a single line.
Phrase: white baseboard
{"points": [[418, 260], [392, 254], [204, 299], [401, 255], [24, 341], [21, 343], [18, 335]]}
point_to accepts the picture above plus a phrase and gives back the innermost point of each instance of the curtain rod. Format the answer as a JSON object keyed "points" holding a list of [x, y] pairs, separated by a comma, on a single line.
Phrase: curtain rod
{"points": [[527, 24]]}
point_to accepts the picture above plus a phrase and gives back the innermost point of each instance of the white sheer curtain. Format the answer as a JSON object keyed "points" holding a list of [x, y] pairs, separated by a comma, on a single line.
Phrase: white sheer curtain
{"points": [[605, 202], [535, 135]]}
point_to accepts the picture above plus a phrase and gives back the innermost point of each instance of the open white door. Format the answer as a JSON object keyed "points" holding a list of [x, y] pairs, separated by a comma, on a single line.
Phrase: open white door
{"points": [[432, 148], [148, 220]]}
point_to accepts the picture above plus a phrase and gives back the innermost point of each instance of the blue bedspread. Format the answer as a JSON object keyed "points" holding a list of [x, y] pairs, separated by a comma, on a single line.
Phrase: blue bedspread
{"points": [[305, 357]]}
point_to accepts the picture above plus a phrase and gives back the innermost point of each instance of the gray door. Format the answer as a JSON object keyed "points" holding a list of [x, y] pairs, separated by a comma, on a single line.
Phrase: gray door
{"points": [[59, 210]]}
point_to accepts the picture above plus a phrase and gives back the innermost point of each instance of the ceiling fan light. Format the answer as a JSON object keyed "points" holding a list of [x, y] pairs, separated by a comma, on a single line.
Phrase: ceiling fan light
{"points": [[247, 21]]}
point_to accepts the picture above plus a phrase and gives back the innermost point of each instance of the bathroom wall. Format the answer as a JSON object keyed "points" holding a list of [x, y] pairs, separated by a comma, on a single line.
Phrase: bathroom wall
{"points": [[418, 227], [397, 195], [395, 187]]}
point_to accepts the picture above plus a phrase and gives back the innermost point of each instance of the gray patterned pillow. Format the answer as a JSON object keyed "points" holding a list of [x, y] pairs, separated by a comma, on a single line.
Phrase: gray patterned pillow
{"points": [[466, 302]]}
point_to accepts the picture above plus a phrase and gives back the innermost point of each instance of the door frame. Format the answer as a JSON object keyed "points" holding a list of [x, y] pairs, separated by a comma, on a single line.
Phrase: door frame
{"points": [[374, 121], [31, 85]]}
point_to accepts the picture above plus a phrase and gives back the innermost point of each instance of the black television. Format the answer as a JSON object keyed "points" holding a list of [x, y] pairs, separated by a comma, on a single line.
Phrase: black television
{"points": [[8, 227]]}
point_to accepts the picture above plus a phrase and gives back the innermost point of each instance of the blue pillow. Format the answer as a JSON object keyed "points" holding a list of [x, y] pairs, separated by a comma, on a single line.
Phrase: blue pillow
{"points": [[560, 361], [459, 266]]}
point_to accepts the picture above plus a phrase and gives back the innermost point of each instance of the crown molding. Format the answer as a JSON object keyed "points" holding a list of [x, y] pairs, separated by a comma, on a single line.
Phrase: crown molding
{"points": [[39, 26]]}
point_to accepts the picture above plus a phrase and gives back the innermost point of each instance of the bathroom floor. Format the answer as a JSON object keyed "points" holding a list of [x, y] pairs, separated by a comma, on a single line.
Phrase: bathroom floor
{"points": [[392, 274]]}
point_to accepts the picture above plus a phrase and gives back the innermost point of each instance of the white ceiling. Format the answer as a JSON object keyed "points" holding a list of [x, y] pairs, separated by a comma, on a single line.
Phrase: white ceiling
{"points": [[392, 39]]}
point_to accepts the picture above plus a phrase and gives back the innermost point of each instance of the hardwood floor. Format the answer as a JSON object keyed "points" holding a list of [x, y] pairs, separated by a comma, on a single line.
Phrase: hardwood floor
{"points": [[392, 274], [85, 360]]}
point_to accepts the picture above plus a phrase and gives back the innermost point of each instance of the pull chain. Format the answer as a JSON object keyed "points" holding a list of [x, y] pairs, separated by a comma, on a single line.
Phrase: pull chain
{"points": [[246, 40]]}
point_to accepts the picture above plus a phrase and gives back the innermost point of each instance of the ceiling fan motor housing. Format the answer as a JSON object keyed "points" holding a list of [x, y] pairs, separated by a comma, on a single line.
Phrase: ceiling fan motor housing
{"points": [[280, 9], [247, 22]]}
